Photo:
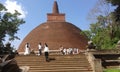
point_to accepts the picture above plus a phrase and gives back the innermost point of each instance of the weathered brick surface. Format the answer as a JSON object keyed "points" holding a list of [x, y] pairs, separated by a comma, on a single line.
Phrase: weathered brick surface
{"points": [[55, 32]]}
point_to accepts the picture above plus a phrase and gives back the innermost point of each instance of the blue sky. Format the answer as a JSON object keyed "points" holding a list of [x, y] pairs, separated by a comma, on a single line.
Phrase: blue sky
{"points": [[34, 13]]}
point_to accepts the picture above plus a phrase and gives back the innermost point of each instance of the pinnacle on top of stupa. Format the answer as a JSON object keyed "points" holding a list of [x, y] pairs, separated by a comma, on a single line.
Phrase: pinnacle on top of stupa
{"points": [[55, 8]]}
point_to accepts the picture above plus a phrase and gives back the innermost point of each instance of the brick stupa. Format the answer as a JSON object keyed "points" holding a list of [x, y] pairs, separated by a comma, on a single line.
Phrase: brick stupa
{"points": [[55, 32]]}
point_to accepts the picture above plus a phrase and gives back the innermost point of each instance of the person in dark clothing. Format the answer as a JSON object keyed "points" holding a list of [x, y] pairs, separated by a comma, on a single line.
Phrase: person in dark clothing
{"points": [[46, 52], [90, 45]]}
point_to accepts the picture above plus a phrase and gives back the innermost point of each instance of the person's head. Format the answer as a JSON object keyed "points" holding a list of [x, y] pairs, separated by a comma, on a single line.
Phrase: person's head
{"points": [[60, 45], [89, 42], [46, 45], [27, 43], [39, 43]]}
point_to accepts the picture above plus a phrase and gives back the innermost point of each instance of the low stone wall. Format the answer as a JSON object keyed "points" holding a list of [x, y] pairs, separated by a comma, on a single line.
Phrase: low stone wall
{"points": [[95, 63], [97, 57], [111, 51]]}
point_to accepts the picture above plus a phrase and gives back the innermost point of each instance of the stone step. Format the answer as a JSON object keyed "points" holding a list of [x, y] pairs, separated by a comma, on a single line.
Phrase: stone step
{"points": [[59, 66], [67, 64], [61, 70], [32, 66], [60, 63], [55, 61], [57, 56], [53, 68]]}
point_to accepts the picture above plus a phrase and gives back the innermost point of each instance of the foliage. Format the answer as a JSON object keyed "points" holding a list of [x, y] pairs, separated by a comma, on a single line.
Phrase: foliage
{"points": [[101, 8], [105, 32], [9, 24], [99, 32], [87, 33], [117, 10]]}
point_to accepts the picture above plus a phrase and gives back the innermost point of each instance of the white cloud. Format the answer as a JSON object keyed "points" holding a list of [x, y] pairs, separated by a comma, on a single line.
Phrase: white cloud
{"points": [[13, 5]]}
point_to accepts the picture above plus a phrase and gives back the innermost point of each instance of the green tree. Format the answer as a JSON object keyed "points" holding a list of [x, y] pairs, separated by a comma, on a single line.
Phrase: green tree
{"points": [[104, 34], [100, 34], [115, 24], [117, 10], [105, 31], [87, 33], [9, 24]]}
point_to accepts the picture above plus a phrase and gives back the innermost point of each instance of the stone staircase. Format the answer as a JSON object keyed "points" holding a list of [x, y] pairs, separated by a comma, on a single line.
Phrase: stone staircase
{"points": [[58, 63]]}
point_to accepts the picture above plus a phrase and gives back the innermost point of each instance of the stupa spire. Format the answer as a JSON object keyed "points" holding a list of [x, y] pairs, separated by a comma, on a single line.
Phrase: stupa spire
{"points": [[55, 16], [55, 8]]}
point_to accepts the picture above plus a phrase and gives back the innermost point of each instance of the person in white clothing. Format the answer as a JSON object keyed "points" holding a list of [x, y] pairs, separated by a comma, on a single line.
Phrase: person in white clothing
{"points": [[27, 49], [40, 48], [65, 51], [46, 52]]}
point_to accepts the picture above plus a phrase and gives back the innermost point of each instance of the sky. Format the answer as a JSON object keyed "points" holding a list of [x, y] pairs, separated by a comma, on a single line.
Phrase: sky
{"points": [[34, 12]]}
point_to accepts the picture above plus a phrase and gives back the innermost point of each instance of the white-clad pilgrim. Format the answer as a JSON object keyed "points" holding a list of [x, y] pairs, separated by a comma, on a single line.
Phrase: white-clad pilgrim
{"points": [[27, 49]]}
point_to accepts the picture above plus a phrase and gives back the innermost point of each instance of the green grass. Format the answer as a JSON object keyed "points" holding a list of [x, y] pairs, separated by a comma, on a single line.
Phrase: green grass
{"points": [[112, 70]]}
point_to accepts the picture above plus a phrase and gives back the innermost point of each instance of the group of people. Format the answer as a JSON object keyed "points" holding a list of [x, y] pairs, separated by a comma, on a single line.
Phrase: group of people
{"points": [[46, 50], [66, 51]]}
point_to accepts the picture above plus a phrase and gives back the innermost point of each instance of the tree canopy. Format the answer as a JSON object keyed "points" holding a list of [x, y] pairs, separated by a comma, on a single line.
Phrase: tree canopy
{"points": [[117, 10], [9, 24], [105, 32]]}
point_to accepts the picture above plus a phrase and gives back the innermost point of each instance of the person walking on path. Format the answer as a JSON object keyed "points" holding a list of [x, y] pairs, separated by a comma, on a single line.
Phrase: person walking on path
{"points": [[46, 52], [40, 49]]}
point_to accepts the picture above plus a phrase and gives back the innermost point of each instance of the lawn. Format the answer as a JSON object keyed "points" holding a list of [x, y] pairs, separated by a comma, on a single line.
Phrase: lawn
{"points": [[112, 70]]}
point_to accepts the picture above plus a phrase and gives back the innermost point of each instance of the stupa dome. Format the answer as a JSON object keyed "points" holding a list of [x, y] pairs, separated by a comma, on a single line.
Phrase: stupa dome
{"points": [[55, 32]]}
